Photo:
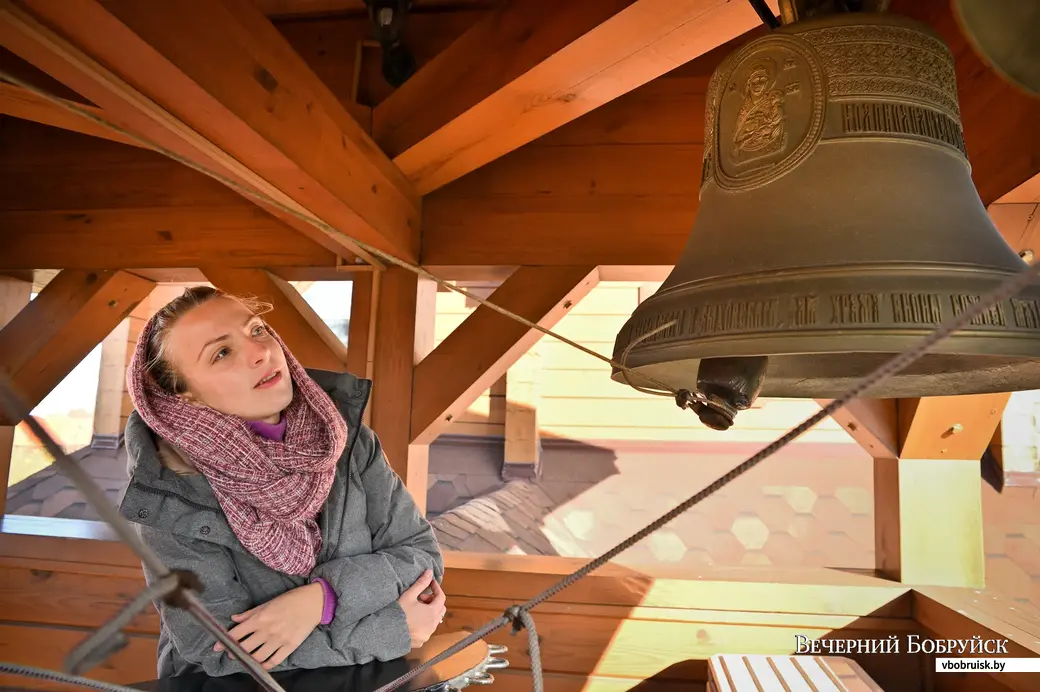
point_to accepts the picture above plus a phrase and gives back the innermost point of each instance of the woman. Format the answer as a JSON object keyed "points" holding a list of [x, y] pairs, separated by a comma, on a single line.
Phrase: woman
{"points": [[259, 477]]}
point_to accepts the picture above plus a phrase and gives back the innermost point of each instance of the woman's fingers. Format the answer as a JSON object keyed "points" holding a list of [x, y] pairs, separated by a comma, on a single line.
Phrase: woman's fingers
{"points": [[280, 655], [265, 652]]}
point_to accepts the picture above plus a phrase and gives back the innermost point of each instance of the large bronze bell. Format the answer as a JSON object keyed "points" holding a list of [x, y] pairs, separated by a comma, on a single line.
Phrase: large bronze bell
{"points": [[838, 225], [1006, 33]]}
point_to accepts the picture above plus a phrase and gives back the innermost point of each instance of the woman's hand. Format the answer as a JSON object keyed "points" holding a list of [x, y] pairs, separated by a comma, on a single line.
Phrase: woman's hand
{"points": [[273, 630], [423, 614]]}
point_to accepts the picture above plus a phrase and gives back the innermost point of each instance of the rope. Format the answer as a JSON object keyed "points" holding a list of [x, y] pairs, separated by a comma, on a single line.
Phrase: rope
{"points": [[519, 615], [55, 676], [321, 225]]}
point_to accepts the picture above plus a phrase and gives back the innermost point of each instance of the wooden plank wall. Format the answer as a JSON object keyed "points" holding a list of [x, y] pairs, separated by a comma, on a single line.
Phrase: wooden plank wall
{"points": [[615, 630]]}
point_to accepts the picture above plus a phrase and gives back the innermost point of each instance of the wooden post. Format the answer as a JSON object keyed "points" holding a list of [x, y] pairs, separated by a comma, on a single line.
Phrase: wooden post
{"points": [[392, 366], [523, 444], [111, 384], [927, 483], [14, 295]]}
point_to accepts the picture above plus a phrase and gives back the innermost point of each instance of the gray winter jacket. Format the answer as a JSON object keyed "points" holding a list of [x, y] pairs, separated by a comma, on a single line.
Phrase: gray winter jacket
{"points": [[376, 544]]}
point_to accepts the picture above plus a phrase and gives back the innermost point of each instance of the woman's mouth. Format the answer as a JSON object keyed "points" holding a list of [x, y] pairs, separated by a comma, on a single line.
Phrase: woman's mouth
{"points": [[270, 380]]}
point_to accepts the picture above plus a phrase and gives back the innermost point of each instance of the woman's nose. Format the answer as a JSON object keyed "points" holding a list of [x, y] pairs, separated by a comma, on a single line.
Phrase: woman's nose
{"points": [[259, 353]]}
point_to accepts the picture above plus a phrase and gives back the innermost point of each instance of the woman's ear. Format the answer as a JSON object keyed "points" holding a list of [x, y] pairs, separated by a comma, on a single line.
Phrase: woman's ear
{"points": [[189, 398]]}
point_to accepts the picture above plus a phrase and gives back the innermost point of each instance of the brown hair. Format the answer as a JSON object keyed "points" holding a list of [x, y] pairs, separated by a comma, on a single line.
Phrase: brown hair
{"points": [[159, 366]]}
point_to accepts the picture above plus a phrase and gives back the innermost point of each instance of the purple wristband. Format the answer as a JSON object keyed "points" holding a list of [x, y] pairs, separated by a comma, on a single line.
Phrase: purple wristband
{"points": [[328, 612]]}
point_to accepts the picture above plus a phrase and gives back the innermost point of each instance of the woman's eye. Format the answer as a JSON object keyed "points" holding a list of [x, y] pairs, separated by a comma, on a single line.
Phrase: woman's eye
{"points": [[259, 330], [220, 354]]}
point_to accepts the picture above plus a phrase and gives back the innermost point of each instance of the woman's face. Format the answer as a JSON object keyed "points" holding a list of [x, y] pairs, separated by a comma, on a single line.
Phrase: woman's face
{"points": [[229, 361]]}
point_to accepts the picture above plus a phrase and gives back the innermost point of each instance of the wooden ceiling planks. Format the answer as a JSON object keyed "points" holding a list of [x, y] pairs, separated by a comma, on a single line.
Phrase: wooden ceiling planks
{"points": [[573, 189], [71, 201], [263, 119]]}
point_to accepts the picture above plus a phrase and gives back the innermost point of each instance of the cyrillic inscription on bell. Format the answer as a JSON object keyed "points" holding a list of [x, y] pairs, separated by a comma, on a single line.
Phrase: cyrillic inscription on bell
{"points": [[838, 226]]}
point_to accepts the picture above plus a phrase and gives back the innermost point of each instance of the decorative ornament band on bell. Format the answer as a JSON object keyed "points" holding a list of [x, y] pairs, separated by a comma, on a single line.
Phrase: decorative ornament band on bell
{"points": [[838, 226]]}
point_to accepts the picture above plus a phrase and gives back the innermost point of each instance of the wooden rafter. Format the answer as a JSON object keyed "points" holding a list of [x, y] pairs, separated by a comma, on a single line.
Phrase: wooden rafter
{"points": [[264, 120], [482, 348], [534, 65], [237, 236], [53, 333], [19, 102], [304, 332]]}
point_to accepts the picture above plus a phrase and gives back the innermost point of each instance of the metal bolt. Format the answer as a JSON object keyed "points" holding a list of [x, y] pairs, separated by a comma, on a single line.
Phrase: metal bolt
{"points": [[956, 428], [1027, 255]]}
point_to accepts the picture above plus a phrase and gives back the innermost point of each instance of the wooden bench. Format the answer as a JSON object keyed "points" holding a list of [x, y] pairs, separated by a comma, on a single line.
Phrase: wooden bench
{"points": [[738, 673]]}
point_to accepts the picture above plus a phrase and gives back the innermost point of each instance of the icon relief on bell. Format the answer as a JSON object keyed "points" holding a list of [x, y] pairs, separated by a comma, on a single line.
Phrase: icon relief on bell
{"points": [[760, 121]]}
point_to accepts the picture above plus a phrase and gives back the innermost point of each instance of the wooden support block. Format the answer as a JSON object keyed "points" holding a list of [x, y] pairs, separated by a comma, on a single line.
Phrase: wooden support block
{"points": [[873, 423], [14, 296], [487, 343], [523, 444], [949, 427], [927, 483], [928, 521], [304, 332], [53, 333]]}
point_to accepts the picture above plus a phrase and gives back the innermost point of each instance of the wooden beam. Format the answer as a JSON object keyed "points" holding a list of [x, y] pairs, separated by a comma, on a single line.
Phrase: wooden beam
{"points": [[927, 483], [392, 365], [517, 67], [261, 118], [364, 298], [238, 236], [487, 343], [19, 102], [53, 333], [872, 423], [304, 332], [14, 296]]}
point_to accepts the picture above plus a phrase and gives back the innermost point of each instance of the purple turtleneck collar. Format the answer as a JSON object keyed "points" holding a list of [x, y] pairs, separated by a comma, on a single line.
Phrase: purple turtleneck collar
{"points": [[272, 431]]}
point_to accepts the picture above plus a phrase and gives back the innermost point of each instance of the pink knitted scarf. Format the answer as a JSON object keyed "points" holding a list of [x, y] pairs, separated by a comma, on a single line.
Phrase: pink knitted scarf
{"points": [[270, 491]]}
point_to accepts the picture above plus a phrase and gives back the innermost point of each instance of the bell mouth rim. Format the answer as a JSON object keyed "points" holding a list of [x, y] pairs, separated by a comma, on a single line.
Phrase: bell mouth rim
{"points": [[828, 375]]}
